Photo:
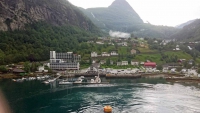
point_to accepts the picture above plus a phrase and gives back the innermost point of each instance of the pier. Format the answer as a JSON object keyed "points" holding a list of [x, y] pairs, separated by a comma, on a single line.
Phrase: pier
{"points": [[89, 74], [123, 75]]}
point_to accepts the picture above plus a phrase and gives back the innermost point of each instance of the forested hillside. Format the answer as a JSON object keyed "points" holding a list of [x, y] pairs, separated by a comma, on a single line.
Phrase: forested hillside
{"points": [[31, 28], [189, 32], [35, 43]]}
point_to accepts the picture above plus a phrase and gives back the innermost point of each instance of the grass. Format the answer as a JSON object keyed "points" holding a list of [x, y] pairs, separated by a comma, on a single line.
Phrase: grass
{"points": [[119, 67], [179, 54], [123, 50], [146, 50], [152, 57]]}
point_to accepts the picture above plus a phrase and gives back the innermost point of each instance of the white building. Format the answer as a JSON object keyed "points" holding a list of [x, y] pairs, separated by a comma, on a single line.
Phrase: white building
{"points": [[41, 69], [104, 54], [165, 69], [94, 54], [124, 63], [134, 63], [119, 63], [101, 43], [113, 53], [102, 62], [64, 61]]}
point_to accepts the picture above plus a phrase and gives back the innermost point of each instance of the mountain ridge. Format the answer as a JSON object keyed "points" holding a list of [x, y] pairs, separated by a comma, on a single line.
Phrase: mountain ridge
{"points": [[190, 32], [15, 14], [120, 16]]}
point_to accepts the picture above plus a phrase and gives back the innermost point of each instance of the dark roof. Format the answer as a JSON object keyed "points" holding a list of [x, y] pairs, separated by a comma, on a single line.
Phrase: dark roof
{"points": [[18, 71]]}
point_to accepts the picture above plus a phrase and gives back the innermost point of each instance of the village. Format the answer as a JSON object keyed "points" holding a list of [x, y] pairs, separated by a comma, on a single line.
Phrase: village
{"points": [[125, 56]]}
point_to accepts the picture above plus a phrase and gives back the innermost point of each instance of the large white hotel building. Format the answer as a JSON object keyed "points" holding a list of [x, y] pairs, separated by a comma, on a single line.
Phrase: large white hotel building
{"points": [[64, 61]]}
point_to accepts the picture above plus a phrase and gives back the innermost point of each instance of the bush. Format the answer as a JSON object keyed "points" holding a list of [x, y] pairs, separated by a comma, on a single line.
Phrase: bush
{"points": [[3, 69]]}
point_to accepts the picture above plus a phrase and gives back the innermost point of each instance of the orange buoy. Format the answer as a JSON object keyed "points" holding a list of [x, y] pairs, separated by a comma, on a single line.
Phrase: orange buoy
{"points": [[107, 109]]}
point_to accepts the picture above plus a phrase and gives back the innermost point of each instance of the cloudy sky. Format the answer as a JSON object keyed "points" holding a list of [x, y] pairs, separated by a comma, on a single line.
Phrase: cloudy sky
{"points": [[157, 12]]}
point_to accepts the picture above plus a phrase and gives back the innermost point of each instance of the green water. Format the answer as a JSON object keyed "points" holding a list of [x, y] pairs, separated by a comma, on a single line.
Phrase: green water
{"points": [[124, 95]]}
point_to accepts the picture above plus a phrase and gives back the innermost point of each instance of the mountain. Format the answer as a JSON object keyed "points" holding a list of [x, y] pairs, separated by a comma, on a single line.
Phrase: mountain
{"points": [[184, 24], [15, 14], [120, 16], [190, 32], [29, 29]]}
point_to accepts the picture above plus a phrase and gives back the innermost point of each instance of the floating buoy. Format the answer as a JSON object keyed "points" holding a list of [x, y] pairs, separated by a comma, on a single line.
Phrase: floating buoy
{"points": [[107, 109]]}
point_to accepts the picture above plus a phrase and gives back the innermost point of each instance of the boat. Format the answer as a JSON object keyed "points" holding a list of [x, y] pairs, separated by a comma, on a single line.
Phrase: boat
{"points": [[46, 82], [65, 82], [80, 79], [96, 80], [49, 81]]}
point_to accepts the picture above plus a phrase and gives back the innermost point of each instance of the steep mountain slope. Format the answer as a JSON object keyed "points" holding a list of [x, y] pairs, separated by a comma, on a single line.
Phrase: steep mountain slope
{"points": [[120, 16], [186, 23], [190, 32], [14, 14], [29, 29]]}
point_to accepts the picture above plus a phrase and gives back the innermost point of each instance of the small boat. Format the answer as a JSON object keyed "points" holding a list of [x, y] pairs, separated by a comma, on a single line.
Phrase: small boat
{"points": [[49, 81], [96, 80], [65, 82], [80, 79], [46, 82]]}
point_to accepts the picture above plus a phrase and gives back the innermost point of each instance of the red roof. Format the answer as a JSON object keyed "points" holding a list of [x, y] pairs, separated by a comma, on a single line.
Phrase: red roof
{"points": [[149, 64]]}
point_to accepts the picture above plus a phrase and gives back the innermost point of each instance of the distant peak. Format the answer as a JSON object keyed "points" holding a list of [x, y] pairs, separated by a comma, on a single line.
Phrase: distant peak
{"points": [[120, 3]]}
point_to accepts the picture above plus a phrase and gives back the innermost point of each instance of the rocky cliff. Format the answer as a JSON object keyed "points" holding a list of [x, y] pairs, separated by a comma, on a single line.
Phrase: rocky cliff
{"points": [[15, 14]]}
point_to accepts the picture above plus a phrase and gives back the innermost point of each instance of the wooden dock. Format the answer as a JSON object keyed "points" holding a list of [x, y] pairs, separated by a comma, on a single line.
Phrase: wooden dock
{"points": [[89, 74], [123, 75], [182, 79]]}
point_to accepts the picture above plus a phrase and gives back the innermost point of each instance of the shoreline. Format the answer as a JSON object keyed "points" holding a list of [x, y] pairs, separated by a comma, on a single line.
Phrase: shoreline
{"points": [[15, 76], [167, 76]]}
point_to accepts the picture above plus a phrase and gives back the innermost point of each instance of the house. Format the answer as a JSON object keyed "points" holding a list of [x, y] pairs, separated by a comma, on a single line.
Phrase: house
{"points": [[165, 68], [111, 62], [41, 69], [119, 63], [124, 63], [142, 44], [101, 43], [149, 64], [173, 70], [183, 70], [122, 44], [133, 51], [113, 53], [190, 61], [93, 54], [181, 60], [18, 71], [19, 66], [102, 62], [92, 69], [134, 63], [141, 63], [104, 54]]}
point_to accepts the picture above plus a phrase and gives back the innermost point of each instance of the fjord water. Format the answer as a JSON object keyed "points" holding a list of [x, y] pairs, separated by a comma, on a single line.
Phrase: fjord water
{"points": [[124, 95]]}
